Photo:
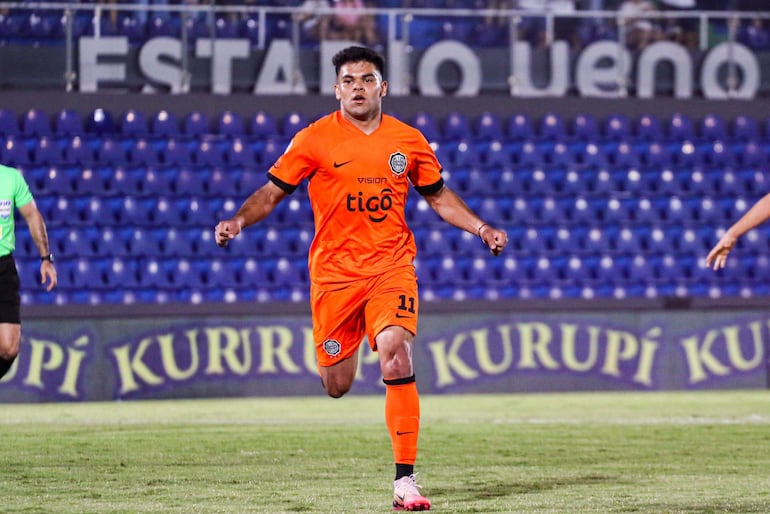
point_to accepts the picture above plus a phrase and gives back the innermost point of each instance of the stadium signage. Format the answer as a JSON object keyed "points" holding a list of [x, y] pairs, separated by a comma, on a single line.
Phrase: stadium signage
{"points": [[503, 354], [601, 69]]}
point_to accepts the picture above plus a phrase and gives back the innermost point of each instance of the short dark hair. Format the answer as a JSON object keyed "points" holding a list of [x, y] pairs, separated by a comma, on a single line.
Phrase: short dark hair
{"points": [[358, 54]]}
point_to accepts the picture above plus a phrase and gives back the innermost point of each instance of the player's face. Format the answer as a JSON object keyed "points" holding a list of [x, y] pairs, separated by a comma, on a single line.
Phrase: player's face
{"points": [[360, 89]]}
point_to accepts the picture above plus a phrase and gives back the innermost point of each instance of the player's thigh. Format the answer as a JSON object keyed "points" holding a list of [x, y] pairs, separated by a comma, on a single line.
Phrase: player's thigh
{"points": [[393, 301], [338, 322], [10, 335]]}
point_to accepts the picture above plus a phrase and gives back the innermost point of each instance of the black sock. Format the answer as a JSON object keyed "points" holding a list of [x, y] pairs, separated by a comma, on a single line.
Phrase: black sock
{"points": [[5, 365], [404, 470]]}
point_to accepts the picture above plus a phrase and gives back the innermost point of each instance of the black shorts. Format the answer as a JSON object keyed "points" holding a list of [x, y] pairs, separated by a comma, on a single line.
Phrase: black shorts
{"points": [[10, 301]]}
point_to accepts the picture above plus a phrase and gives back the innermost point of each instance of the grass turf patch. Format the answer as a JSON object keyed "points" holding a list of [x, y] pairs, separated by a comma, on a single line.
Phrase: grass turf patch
{"points": [[702, 452]]}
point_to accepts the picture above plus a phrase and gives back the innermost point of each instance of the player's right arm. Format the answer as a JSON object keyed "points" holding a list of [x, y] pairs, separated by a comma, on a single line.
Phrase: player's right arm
{"points": [[758, 214], [256, 208]]}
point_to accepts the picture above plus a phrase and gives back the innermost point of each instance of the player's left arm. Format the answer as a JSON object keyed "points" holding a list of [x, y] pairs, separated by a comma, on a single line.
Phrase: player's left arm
{"points": [[39, 234], [452, 209]]}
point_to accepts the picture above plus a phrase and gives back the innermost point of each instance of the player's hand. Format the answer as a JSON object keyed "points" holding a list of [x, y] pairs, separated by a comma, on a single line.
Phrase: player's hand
{"points": [[494, 238], [717, 257], [225, 231], [48, 276]]}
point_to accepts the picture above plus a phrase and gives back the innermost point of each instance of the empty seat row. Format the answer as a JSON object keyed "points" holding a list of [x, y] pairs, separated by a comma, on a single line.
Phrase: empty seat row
{"points": [[136, 123], [455, 126]]}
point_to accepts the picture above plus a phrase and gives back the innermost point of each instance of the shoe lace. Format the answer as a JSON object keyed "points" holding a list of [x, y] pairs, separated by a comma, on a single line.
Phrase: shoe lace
{"points": [[408, 485]]}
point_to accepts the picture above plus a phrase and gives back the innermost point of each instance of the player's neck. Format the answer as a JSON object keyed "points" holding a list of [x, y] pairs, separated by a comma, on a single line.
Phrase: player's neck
{"points": [[366, 125]]}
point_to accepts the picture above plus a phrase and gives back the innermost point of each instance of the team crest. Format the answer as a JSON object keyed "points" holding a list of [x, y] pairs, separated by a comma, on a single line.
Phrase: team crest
{"points": [[332, 347], [397, 163]]}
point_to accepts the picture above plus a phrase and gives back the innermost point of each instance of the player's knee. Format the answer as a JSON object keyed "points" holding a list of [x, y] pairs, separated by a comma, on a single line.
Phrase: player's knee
{"points": [[334, 388], [336, 391], [397, 363]]}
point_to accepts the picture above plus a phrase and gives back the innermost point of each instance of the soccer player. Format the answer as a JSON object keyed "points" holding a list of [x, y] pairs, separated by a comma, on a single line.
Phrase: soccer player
{"points": [[15, 194], [360, 164], [758, 214]]}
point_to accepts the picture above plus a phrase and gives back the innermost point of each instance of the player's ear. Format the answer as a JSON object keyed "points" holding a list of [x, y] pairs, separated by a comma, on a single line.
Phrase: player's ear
{"points": [[384, 88], [337, 91]]}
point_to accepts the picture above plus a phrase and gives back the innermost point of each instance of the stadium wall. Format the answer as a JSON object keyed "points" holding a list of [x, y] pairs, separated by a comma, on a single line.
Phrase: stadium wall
{"points": [[99, 354]]}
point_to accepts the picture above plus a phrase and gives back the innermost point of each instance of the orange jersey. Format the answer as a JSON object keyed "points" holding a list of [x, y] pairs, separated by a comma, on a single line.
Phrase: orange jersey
{"points": [[358, 186]]}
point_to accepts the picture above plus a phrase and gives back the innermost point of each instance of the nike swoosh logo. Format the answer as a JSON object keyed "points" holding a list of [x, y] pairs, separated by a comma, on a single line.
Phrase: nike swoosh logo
{"points": [[403, 433], [339, 165], [402, 316]]}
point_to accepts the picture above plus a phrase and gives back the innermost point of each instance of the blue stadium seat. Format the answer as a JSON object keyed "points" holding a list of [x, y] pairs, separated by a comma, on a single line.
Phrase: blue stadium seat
{"points": [[177, 153], [496, 156], [751, 154], [196, 124], [47, 150], [143, 153], [122, 273], [263, 125], [165, 124], [82, 242], [745, 128], [464, 154], [100, 122], [88, 274], [552, 127], [238, 153], [291, 123], [14, 152], [160, 25], [488, 127], [133, 123], [110, 243], [560, 155], [111, 151], [92, 181], [591, 155], [77, 151], [208, 153], [230, 124], [9, 123], [585, 128], [656, 155], [520, 128], [713, 128], [716, 153], [36, 122], [271, 151], [648, 128], [680, 128], [176, 242], [224, 182], [68, 122], [184, 273], [456, 127], [530, 155], [153, 274], [617, 127], [625, 156], [58, 180], [190, 182]]}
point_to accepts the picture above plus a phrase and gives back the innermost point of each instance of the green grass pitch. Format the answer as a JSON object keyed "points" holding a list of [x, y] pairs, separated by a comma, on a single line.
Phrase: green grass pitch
{"points": [[681, 452]]}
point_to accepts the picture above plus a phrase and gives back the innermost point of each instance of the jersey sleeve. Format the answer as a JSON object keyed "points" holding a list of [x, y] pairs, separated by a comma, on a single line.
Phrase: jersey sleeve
{"points": [[297, 163], [21, 195], [425, 175]]}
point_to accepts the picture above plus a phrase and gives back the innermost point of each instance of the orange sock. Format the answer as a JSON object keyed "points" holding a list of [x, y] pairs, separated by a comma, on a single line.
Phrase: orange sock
{"points": [[402, 416]]}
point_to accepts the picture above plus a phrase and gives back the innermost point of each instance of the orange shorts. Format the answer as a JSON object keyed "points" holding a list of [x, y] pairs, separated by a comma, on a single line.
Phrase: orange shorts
{"points": [[342, 317]]}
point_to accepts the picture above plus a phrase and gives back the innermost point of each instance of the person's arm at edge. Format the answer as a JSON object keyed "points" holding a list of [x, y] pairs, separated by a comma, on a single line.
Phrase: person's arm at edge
{"points": [[37, 230], [452, 209], [758, 214], [256, 208]]}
